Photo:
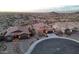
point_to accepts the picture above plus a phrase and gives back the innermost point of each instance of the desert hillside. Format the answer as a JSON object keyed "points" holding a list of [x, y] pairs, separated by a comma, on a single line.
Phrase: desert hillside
{"points": [[13, 19]]}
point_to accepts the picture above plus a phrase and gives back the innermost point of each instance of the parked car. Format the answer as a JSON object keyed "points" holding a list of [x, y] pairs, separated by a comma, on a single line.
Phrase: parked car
{"points": [[24, 36], [68, 31]]}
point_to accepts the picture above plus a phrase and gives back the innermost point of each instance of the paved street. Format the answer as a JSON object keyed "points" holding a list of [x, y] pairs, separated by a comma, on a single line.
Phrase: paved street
{"points": [[56, 46], [23, 45]]}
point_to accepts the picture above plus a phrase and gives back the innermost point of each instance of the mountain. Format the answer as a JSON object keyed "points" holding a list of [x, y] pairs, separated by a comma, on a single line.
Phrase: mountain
{"points": [[65, 9]]}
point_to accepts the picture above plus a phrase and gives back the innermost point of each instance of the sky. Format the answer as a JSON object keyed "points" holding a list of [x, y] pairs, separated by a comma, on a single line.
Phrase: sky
{"points": [[34, 5]]}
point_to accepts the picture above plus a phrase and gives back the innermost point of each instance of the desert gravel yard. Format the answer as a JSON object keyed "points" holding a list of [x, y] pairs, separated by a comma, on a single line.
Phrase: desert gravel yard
{"points": [[18, 47]]}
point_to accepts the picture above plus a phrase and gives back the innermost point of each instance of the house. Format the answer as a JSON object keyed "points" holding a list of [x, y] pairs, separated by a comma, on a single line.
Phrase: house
{"points": [[18, 31], [41, 28]]}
